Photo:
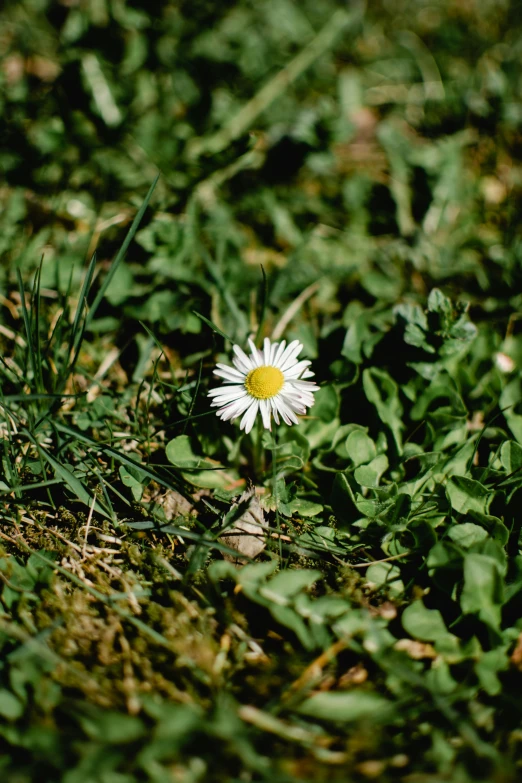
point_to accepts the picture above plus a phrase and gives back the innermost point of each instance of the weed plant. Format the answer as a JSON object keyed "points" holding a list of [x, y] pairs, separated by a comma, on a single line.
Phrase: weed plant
{"points": [[180, 177]]}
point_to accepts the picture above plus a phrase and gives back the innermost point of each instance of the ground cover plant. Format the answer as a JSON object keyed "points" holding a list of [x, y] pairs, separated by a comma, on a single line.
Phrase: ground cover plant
{"points": [[339, 599]]}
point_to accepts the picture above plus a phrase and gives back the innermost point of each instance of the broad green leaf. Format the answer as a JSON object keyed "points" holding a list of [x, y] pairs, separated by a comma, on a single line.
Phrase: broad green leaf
{"points": [[288, 583], [307, 508], [360, 447], [511, 456], [510, 397], [366, 329], [342, 497], [129, 481], [255, 574], [439, 679], [370, 475], [425, 624], [10, 707], [465, 494], [287, 616], [385, 575], [483, 592], [488, 666], [383, 393], [112, 727], [347, 707], [439, 303], [466, 534], [208, 479], [181, 454]]}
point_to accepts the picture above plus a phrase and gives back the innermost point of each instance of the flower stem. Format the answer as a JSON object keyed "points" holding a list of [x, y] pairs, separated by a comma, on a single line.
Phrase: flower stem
{"points": [[274, 494], [259, 453]]}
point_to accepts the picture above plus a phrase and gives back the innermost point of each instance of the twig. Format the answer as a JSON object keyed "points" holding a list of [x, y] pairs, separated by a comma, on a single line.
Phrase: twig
{"points": [[323, 41], [294, 308], [316, 667], [372, 562], [88, 525]]}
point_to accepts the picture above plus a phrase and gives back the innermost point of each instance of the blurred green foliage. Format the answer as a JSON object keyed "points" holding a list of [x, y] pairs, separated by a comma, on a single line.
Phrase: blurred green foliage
{"points": [[368, 158], [385, 162]]}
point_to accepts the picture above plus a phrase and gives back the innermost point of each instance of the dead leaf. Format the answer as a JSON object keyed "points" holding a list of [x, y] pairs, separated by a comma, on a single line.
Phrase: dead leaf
{"points": [[516, 655], [172, 502], [416, 650], [248, 535]]}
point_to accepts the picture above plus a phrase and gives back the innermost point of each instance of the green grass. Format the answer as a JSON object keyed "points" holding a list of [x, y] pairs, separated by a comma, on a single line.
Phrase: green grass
{"points": [[177, 179]]}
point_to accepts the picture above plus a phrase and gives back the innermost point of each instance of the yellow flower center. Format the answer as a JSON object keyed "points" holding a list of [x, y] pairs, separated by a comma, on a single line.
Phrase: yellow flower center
{"points": [[264, 382]]}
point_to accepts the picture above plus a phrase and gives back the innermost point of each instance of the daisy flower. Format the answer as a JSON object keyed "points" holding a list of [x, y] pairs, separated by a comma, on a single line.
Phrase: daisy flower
{"points": [[270, 382]]}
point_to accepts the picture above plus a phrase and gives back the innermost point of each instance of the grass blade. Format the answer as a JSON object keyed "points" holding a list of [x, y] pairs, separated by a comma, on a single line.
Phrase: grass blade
{"points": [[120, 255], [213, 326], [69, 478]]}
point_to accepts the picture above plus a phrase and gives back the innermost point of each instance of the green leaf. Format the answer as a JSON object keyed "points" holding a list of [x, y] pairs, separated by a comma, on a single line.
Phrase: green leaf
{"points": [[342, 498], [10, 707], [181, 454], [465, 495], [483, 592], [129, 481], [488, 666], [288, 617], [287, 584], [251, 576], [385, 575], [383, 393], [360, 447], [509, 401], [347, 707], [370, 475], [306, 508], [109, 726], [511, 456], [439, 679], [439, 303], [208, 479], [466, 534], [366, 328], [425, 624]]}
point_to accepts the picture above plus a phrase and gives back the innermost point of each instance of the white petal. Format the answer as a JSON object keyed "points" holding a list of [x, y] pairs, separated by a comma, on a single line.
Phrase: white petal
{"points": [[242, 362], [275, 413], [237, 374], [247, 422], [227, 388], [279, 353], [264, 407], [227, 375], [266, 351], [303, 398], [302, 385], [235, 409], [298, 401], [257, 356], [290, 348], [287, 413], [296, 405], [235, 394], [307, 374], [291, 354], [296, 369], [229, 411], [289, 394], [273, 351]]}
